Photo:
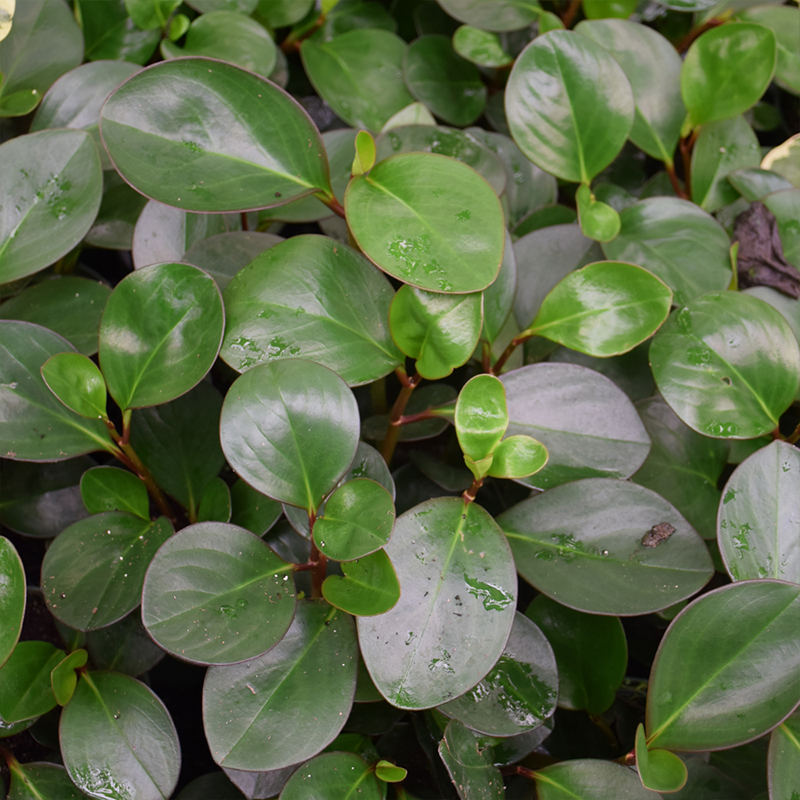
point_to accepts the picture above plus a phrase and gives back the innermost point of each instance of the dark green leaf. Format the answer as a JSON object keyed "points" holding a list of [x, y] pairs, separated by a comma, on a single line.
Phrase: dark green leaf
{"points": [[342, 775], [784, 757], [470, 765], [63, 679], [500, 15], [545, 217], [215, 504], [616, 9], [111, 34], [498, 298], [369, 586], [148, 14], [25, 681], [124, 647], [92, 574], [239, 6], [480, 47], [277, 13], [120, 209], [784, 22], [252, 510], [658, 769], [113, 489], [589, 779], [785, 206], [42, 781], [590, 545], [77, 382], [754, 183], [212, 786], [12, 597]]}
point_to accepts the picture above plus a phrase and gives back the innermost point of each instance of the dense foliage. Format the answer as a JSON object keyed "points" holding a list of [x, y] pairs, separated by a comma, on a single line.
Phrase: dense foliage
{"points": [[321, 324]]}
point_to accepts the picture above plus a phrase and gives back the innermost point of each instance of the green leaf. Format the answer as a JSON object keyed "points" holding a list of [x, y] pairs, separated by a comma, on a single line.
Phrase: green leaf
{"points": [[481, 416], [412, 115], [683, 466], [216, 594], [598, 220], [120, 208], [784, 757], [590, 650], [411, 213], [63, 679], [449, 85], [92, 574], [518, 457], [25, 690], [562, 70], [470, 765], [389, 773], [313, 298], [784, 22], [178, 26], [124, 647], [604, 309], [659, 770], [12, 597], [252, 510], [499, 15], [36, 426], [480, 47], [498, 298], [231, 139], [726, 70], [754, 183], [728, 365], [369, 586], [230, 37], [653, 67], [520, 691], [111, 34], [720, 148], [42, 781], [44, 42], [342, 775], [77, 382], [312, 669], [617, 9], [161, 332], [365, 153], [759, 517], [113, 489], [215, 504], [149, 14], [587, 424], [589, 779], [433, 396], [359, 74], [786, 207], [358, 520], [676, 241], [450, 559], [587, 544], [277, 13], [51, 181], [754, 622], [306, 443], [440, 331], [117, 737]]}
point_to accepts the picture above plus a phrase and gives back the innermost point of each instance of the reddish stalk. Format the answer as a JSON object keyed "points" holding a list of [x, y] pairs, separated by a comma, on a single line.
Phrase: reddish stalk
{"points": [[395, 417]]}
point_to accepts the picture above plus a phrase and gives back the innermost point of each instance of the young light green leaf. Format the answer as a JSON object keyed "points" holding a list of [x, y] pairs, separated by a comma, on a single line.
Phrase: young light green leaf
{"points": [[113, 489], [389, 773], [77, 382], [483, 48], [63, 679], [598, 221], [517, 457], [42, 781], [12, 598], [481, 416], [659, 770], [369, 586], [365, 153]]}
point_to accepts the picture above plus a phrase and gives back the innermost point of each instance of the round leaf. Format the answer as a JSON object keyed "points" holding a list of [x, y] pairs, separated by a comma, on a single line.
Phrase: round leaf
{"points": [[333, 775], [518, 457], [109, 33], [216, 594], [470, 764], [113, 489], [784, 757], [784, 21], [42, 781], [117, 738], [494, 15], [728, 365], [369, 586], [456, 608], [726, 70], [359, 517], [51, 181], [519, 692], [587, 424], [300, 450], [480, 47], [755, 657], [77, 382], [63, 679], [252, 510], [230, 140], [758, 527], [25, 690], [604, 309], [481, 416], [312, 669], [314, 298], [429, 221], [598, 220], [588, 545], [35, 425], [12, 597], [161, 332], [92, 574], [559, 72], [587, 779], [659, 770], [124, 647]]}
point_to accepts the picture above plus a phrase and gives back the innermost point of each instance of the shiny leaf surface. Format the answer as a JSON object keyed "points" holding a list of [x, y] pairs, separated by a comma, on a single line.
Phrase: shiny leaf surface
{"points": [[25, 681], [12, 597], [589, 779], [481, 416], [518, 457], [42, 781], [113, 489], [480, 47], [63, 678], [659, 770], [495, 15], [369, 586], [333, 775], [77, 382]]}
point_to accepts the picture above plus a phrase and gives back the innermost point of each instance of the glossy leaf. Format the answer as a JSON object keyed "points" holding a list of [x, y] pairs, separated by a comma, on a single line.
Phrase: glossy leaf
{"points": [[77, 382], [161, 332], [216, 594], [590, 651], [727, 364], [449, 85], [359, 74], [758, 526], [785, 24], [35, 425], [69, 306], [520, 691], [92, 574], [111, 34], [676, 241], [252, 510], [496, 15], [369, 586], [63, 679], [598, 220], [333, 775], [589, 779], [439, 331], [451, 560], [409, 217], [784, 757], [311, 298], [585, 544], [604, 309], [587, 424], [52, 181], [481, 416], [218, 156], [470, 765], [113, 489], [124, 647], [12, 597], [313, 666], [518, 457], [215, 504], [754, 667], [42, 781], [118, 738], [25, 690], [563, 83], [726, 70], [659, 770], [480, 47], [754, 183]]}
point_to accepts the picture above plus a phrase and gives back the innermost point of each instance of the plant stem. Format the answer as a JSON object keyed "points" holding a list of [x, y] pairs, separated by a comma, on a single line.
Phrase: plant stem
{"points": [[673, 179], [332, 203], [515, 343], [245, 226], [568, 16], [793, 437], [317, 562], [470, 494], [683, 45], [393, 433], [687, 146]]}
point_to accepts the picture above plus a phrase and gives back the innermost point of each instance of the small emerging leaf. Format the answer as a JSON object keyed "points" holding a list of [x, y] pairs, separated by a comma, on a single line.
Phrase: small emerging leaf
{"points": [[365, 153], [369, 586], [481, 416], [77, 382], [390, 773], [659, 770], [518, 457], [63, 679], [598, 220]]}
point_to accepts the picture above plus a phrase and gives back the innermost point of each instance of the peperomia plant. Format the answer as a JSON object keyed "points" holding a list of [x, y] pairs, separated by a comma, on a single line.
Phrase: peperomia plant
{"points": [[322, 323]]}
